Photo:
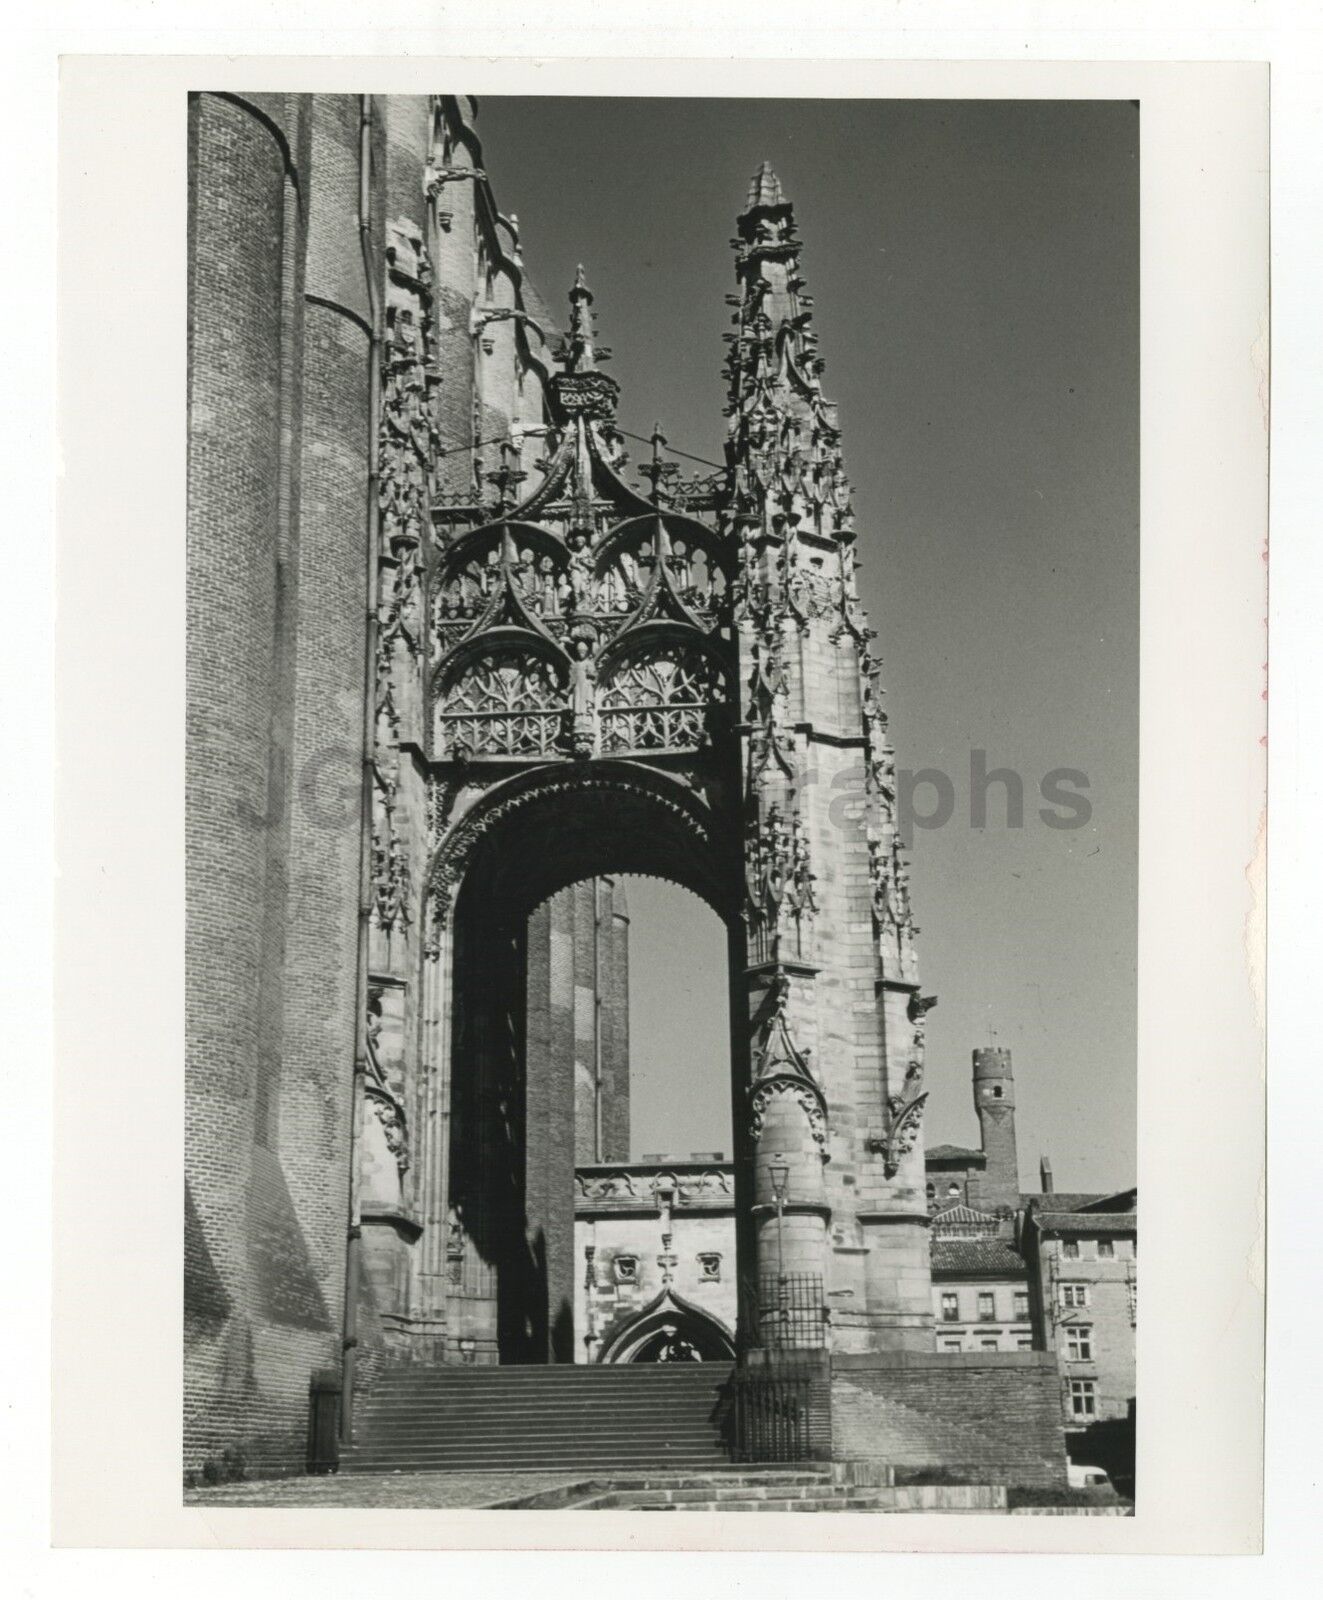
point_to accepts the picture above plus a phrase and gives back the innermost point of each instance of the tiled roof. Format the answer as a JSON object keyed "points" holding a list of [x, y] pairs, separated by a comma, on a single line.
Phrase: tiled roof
{"points": [[1122, 1200], [1088, 1222], [963, 1216], [1060, 1202], [953, 1152], [976, 1258]]}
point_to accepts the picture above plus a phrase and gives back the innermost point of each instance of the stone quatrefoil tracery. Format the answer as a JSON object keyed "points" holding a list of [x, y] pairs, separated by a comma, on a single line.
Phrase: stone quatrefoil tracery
{"points": [[505, 701], [616, 649]]}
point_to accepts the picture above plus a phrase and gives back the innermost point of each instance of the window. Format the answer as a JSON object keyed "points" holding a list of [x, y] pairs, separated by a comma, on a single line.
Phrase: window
{"points": [[950, 1308], [1024, 1344], [1022, 1305], [951, 1345], [1083, 1399], [1079, 1342], [1070, 1249], [987, 1308], [988, 1344], [1106, 1250], [1074, 1296]]}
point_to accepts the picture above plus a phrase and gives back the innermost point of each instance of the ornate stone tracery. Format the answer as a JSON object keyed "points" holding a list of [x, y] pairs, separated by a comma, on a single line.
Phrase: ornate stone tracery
{"points": [[506, 700], [667, 655]]}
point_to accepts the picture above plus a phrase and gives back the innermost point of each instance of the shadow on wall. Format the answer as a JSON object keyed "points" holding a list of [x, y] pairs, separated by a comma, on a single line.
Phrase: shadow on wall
{"points": [[1111, 1446]]}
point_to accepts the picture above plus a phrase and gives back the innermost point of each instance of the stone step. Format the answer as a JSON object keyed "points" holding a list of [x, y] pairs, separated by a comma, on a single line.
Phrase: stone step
{"points": [[580, 1372], [578, 1391], [953, 1500], [598, 1467], [421, 1419], [551, 1425], [606, 1405], [657, 1453], [614, 1457]]}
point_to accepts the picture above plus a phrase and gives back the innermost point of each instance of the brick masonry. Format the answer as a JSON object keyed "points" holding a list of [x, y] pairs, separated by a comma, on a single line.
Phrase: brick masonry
{"points": [[995, 1417]]}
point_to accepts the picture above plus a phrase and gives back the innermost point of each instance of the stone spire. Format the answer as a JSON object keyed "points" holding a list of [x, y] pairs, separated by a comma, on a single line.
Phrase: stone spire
{"points": [[765, 188], [579, 354], [813, 724], [579, 386], [783, 442]]}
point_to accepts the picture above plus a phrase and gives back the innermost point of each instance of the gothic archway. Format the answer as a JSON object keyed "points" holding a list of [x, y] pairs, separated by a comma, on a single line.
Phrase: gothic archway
{"points": [[669, 1328], [506, 1167]]}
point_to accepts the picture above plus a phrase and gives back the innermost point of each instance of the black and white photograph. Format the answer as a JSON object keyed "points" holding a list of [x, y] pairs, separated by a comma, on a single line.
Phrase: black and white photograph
{"points": [[661, 831]]}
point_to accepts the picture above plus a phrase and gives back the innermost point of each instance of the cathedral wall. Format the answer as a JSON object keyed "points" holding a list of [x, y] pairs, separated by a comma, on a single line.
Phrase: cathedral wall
{"points": [[615, 1026], [456, 289], [320, 1018], [607, 1296], [878, 1273], [248, 186], [550, 1059], [577, 956]]}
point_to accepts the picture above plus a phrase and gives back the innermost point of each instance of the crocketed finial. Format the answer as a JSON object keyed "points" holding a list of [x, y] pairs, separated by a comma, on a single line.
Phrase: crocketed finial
{"points": [[580, 356], [765, 189]]}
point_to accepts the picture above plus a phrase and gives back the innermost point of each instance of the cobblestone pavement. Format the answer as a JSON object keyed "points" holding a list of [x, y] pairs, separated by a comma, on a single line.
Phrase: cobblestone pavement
{"points": [[405, 1491]]}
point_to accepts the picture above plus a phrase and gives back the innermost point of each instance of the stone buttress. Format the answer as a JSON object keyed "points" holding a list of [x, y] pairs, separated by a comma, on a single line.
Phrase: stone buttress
{"points": [[835, 1014]]}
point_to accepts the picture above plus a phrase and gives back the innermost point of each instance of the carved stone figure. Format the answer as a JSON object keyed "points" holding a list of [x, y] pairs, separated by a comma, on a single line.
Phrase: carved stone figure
{"points": [[583, 699]]}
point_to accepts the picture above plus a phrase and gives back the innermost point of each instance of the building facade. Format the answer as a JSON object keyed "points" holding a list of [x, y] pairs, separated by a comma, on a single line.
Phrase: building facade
{"points": [[450, 659], [1083, 1266]]}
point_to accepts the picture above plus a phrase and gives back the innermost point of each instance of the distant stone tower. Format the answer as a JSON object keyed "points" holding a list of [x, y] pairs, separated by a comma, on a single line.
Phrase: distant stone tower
{"points": [[994, 1102]]}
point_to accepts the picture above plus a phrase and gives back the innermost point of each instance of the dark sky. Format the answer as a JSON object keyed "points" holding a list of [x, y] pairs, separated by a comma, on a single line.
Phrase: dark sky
{"points": [[975, 271]]}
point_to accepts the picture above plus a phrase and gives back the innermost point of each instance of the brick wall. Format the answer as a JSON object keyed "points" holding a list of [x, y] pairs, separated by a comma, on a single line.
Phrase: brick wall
{"points": [[995, 1417], [550, 1130], [246, 1261]]}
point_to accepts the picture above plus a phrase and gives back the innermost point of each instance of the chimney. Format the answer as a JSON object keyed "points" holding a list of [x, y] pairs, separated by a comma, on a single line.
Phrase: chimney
{"points": [[1045, 1174]]}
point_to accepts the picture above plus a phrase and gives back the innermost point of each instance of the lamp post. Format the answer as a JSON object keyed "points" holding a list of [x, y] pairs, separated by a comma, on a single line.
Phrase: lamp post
{"points": [[779, 1172]]}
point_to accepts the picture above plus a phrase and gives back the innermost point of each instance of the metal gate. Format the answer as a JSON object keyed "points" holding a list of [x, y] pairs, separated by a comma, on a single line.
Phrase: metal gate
{"points": [[783, 1335], [783, 1311], [771, 1414]]}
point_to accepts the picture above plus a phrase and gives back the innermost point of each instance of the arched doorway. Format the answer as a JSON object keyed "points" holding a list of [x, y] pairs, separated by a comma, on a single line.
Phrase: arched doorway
{"points": [[505, 1159], [670, 1329]]}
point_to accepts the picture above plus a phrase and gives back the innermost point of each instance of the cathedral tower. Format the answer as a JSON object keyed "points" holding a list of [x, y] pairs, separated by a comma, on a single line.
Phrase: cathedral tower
{"points": [[835, 1011]]}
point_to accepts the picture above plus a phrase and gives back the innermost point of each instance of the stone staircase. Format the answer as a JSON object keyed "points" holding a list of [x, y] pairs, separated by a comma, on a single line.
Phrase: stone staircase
{"points": [[562, 1418], [805, 1488]]}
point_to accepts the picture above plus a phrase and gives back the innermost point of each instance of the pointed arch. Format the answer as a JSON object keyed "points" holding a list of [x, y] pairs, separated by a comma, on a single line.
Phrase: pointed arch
{"points": [[663, 564], [661, 687], [501, 693], [642, 1336]]}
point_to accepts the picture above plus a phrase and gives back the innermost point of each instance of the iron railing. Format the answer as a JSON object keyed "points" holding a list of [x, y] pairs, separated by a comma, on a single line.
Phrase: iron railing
{"points": [[770, 1413], [783, 1312], [783, 1334]]}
